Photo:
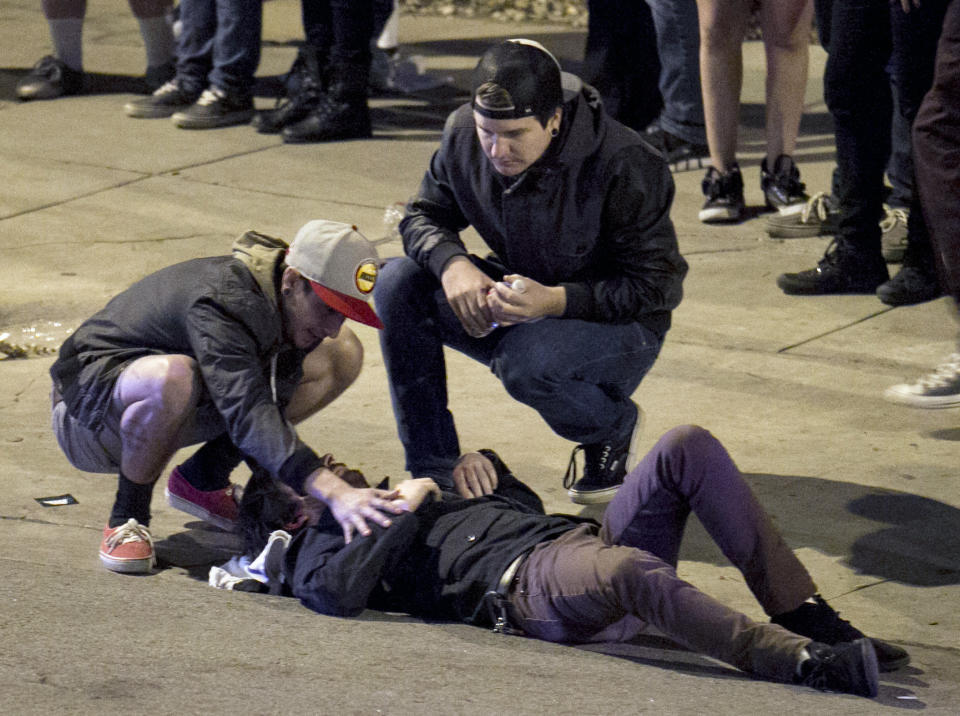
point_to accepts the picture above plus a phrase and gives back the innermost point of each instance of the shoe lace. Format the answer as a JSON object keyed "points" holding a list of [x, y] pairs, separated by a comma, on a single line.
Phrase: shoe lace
{"points": [[945, 374], [893, 216], [130, 531], [817, 205], [211, 95], [571, 475]]}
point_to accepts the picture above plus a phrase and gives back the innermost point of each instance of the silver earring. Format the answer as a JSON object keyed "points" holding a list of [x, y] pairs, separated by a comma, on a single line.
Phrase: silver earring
{"points": [[554, 132]]}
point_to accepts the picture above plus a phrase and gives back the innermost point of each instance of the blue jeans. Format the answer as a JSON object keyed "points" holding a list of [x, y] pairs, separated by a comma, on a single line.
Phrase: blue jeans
{"points": [[220, 44], [578, 375], [678, 44]]}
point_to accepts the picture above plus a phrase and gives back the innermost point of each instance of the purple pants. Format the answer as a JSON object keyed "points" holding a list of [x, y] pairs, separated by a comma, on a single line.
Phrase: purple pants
{"points": [[586, 586]]}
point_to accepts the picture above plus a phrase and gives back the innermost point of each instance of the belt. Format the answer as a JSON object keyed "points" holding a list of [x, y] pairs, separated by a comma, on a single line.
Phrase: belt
{"points": [[498, 600]]}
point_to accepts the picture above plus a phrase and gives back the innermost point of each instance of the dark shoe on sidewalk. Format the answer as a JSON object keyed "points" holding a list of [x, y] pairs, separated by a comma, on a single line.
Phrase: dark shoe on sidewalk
{"points": [[330, 120], [170, 98], [724, 196], [820, 622], [841, 270], [939, 389], [158, 75], [781, 185], [216, 108], [819, 216], [303, 83], [680, 154], [50, 78], [911, 285], [849, 668], [893, 236], [605, 465]]}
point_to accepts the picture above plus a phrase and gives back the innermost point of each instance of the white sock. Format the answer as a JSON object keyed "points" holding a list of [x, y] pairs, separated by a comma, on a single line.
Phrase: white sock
{"points": [[67, 36], [157, 40]]}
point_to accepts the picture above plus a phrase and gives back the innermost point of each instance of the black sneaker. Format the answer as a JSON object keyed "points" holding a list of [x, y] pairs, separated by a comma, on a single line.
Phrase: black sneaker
{"points": [[724, 194], [50, 78], [820, 622], [680, 154], [215, 108], [849, 668], [911, 285], [170, 98], [604, 467], [841, 270], [819, 216], [782, 187]]}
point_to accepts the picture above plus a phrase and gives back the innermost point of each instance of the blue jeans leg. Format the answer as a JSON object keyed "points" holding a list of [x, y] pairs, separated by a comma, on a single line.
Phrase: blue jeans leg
{"points": [[678, 43], [553, 365], [236, 51], [195, 44]]}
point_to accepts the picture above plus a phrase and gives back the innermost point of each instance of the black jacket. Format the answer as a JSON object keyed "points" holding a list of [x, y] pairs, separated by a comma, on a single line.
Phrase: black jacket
{"points": [[592, 214], [222, 311], [437, 562]]}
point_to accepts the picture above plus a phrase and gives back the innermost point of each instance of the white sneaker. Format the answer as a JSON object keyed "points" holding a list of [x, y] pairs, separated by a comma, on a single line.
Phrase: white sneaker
{"points": [[939, 389]]}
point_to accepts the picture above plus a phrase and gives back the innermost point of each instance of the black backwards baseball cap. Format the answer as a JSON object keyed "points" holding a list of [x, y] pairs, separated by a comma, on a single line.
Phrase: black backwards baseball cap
{"points": [[528, 73]]}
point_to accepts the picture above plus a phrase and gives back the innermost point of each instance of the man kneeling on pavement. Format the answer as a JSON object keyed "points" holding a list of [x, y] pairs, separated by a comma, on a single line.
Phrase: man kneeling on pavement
{"points": [[229, 351], [497, 560]]}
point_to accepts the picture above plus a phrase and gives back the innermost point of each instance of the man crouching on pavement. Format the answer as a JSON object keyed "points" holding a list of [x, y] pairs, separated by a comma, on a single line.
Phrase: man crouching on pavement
{"points": [[229, 351], [497, 561]]}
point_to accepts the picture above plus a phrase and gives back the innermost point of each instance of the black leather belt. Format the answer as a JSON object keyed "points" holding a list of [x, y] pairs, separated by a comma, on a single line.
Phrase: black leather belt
{"points": [[498, 599]]}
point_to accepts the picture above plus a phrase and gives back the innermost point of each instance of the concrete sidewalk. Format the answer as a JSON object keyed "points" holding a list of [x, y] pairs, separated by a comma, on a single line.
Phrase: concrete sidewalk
{"points": [[865, 491]]}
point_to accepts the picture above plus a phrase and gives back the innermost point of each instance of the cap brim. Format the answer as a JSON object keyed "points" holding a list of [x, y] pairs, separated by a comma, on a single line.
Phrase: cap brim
{"points": [[349, 306]]}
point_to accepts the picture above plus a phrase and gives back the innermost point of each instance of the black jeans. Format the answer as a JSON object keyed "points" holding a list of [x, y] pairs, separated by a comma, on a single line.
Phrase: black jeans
{"points": [[864, 38]]}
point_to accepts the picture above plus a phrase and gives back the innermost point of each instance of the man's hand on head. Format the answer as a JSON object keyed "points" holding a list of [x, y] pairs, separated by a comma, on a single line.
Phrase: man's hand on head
{"points": [[466, 288], [353, 507], [474, 475], [412, 493]]}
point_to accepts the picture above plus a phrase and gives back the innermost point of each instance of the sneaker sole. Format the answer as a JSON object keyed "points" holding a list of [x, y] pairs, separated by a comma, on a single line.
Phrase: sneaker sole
{"points": [[185, 122], [594, 497], [720, 216], [178, 503], [151, 113], [870, 667], [127, 566], [936, 402]]}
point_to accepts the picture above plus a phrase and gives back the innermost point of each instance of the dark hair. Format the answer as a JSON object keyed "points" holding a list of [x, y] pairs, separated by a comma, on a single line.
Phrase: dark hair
{"points": [[266, 506], [494, 97]]}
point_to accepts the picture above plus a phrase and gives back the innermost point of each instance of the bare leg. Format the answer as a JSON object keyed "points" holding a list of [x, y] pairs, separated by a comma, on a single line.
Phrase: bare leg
{"points": [[158, 395], [723, 24], [786, 39], [328, 370]]}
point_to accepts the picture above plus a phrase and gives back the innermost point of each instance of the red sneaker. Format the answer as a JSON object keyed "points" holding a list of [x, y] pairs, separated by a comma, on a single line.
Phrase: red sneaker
{"points": [[127, 548], [218, 507]]}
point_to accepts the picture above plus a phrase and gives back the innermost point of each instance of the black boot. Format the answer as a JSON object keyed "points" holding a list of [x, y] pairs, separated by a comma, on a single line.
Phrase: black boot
{"points": [[341, 111], [303, 84]]}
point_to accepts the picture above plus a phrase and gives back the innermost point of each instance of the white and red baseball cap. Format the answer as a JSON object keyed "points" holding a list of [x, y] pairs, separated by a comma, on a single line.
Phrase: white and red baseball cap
{"points": [[341, 265]]}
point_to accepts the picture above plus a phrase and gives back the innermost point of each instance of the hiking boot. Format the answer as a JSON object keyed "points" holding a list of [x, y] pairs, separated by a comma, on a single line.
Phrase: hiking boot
{"points": [[303, 83], [127, 548], [680, 154], [782, 186], [216, 108], [158, 75], [341, 111], [849, 668], [218, 507], [171, 97], [911, 285], [841, 270], [893, 236], [819, 216], [939, 389], [820, 622], [724, 192], [50, 78], [605, 465]]}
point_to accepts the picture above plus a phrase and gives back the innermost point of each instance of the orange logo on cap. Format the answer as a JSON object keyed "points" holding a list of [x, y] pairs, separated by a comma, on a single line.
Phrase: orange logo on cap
{"points": [[366, 277]]}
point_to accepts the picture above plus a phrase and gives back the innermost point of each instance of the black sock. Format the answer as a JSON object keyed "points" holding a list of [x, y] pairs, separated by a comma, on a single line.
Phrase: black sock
{"points": [[133, 500], [209, 467]]}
